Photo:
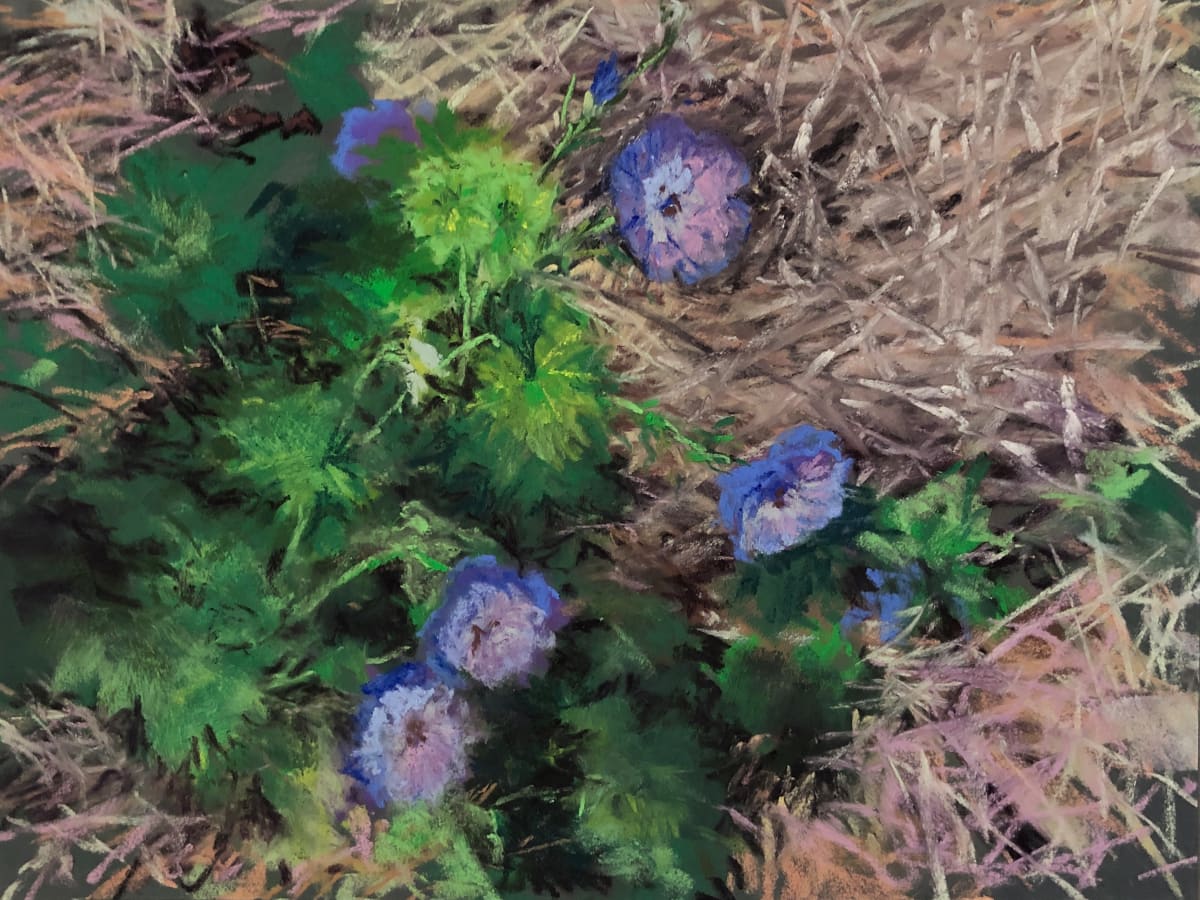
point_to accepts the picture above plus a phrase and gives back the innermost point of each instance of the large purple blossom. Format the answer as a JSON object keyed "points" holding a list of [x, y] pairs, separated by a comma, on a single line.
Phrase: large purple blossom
{"points": [[494, 624], [779, 501], [673, 190], [362, 127], [413, 737]]}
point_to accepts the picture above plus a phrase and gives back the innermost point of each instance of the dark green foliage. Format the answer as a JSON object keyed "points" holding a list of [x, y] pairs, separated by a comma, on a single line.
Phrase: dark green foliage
{"points": [[1129, 501], [604, 769], [791, 693], [49, 383], [319, 74], [795, 587]]}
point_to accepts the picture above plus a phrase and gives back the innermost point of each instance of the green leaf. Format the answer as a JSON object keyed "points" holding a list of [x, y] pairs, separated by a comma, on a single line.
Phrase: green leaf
{"points": [[769, 690], [643, 785], [342, 667], [322, 75], [539, 433], [940, 523], [431, 841], [289, 444], [187, 686]]}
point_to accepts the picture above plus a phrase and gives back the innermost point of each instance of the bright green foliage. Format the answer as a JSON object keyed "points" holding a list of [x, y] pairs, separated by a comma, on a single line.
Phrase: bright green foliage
{"points": [[1129, 501], [939, 526], [396, 297], [656, 429], [291, 446], [299, 778], [484, 210], [435, 843], [193, 654], [538, 425], [442, 135], [184, 686], [1117, 474]]}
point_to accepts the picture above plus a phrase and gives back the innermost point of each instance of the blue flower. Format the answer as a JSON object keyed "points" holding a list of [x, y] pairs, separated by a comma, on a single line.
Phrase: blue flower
{"points": [[494, 624], [896, 593], [779, 501], [413, 735], [606, 82], [362, 127], [673, 190]]}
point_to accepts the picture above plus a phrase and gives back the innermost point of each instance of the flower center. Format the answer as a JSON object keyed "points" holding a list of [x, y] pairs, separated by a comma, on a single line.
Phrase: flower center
{"points": [[478, 634], [414, 733], [669, 207]]}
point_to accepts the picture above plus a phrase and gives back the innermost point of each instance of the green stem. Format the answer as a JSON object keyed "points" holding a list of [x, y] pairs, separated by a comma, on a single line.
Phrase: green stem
{"points": [[298, 533], [673, 431], [464, 294], [575, 130], [471, 345], [370, 564]]}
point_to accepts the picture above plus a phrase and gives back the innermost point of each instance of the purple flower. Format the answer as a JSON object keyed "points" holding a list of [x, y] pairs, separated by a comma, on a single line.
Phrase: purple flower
{"points": [[896, 592], [494, 624], [606, 82], [363, 127], [413, 737], [777, 502], [673, 190]]}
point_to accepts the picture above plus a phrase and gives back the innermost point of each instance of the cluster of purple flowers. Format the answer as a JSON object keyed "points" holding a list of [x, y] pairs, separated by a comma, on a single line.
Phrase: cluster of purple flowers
{"points": [[494, 627]]}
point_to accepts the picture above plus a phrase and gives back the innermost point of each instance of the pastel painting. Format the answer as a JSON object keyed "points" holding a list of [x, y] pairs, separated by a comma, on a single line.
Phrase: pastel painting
{"points": [[707, 450]]}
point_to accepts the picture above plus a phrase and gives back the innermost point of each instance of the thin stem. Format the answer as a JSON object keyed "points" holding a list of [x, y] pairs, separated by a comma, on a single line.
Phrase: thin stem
{"points": [[370, 564], [668, 428], [298, 533], [458, 351], [46, 399], [464, 294]]}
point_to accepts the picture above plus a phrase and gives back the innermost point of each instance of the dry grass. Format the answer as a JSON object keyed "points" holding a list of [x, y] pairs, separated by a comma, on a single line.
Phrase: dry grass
{"points": [[78, 789], [1055, 722]]}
